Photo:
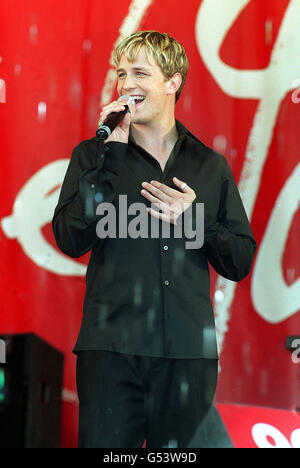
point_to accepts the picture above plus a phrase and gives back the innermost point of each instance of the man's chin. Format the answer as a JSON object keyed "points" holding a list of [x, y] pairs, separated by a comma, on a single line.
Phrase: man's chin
{"points": [[137, 120]]}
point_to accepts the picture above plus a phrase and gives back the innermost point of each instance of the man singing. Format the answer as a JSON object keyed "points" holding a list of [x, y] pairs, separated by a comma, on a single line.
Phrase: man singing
{"points": [[147, 359]]}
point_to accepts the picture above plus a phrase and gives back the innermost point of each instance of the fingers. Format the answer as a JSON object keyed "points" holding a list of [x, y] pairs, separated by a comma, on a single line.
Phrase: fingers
{"points": [[166, 213], [152, 198], [182, 185], [156, 193], [171, 193], [167, 193], [114, 106], [167, 217], [126, 122]]}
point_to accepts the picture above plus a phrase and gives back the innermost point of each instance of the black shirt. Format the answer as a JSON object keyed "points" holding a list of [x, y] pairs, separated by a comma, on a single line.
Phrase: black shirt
{"points": [[150, 296]]}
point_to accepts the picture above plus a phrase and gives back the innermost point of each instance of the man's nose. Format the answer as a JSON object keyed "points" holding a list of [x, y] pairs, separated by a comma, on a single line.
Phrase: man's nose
{"points": [[128, 83]]}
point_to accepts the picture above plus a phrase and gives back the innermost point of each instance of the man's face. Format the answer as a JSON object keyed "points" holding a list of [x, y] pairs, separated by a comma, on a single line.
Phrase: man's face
{"points": [[143, 79]]}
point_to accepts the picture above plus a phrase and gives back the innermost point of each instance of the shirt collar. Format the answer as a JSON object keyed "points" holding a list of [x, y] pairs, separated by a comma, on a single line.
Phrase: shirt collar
{"points": [[181, 129]]}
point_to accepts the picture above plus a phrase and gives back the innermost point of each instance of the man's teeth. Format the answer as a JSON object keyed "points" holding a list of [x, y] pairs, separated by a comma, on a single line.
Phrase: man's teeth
{"points": [[138, 98]]}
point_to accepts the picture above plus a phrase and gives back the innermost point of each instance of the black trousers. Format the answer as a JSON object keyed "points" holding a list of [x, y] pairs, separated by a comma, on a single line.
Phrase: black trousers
{"points": [[125, 399]]}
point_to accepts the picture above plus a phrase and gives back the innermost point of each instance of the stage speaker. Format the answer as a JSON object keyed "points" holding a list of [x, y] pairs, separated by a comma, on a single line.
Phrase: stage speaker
{"points": [[31, 373]]}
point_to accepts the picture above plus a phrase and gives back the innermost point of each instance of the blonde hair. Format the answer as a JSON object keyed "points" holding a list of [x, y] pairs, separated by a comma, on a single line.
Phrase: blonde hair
{"points": [[167, 53]]}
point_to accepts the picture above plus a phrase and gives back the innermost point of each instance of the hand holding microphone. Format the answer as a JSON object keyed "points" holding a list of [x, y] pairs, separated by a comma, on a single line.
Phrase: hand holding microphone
{"points": [[110, 117]]}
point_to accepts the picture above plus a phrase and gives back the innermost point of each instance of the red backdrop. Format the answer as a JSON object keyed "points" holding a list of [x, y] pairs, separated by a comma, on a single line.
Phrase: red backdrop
{"points": [[241, 98]]}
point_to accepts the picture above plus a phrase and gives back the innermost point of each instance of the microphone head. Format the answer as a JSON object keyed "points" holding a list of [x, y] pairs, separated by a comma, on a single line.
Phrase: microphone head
{"points": [[129, 101]]}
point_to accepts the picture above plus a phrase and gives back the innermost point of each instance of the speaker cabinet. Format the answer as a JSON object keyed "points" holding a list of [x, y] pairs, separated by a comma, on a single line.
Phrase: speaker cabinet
{"points": [[31, 373]]}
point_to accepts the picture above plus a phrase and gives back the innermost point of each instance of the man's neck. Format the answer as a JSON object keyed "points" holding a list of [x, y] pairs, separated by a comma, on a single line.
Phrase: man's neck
{"points": [[161, 139]]}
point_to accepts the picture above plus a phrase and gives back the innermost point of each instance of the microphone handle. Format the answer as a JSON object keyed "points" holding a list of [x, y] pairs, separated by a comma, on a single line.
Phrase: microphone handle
{"points": [[110, 123]]}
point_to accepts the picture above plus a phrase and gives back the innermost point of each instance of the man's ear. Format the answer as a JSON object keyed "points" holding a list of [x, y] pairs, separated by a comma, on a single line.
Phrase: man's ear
{"points": [[174, 83]]}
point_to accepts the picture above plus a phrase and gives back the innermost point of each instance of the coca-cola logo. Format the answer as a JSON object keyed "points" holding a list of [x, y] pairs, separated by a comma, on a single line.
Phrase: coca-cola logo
{"points": [[249, 84], [33, 208], [268, 436], [2, 91]]}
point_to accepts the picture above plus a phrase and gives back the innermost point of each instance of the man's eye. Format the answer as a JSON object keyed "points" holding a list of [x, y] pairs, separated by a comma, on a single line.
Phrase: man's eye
{"points": [[121, 75]]}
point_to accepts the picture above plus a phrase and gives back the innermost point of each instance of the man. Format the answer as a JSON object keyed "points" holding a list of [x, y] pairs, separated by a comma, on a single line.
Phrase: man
{"points": [[146, 353]]}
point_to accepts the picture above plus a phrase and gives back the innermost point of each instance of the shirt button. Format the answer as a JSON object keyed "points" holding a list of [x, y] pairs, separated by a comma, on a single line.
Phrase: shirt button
{"points": [[106, 148], [167, 283], [166, 247]]}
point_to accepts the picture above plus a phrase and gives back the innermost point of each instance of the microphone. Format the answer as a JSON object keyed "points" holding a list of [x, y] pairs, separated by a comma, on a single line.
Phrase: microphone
{"points": [[114, 118]]}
